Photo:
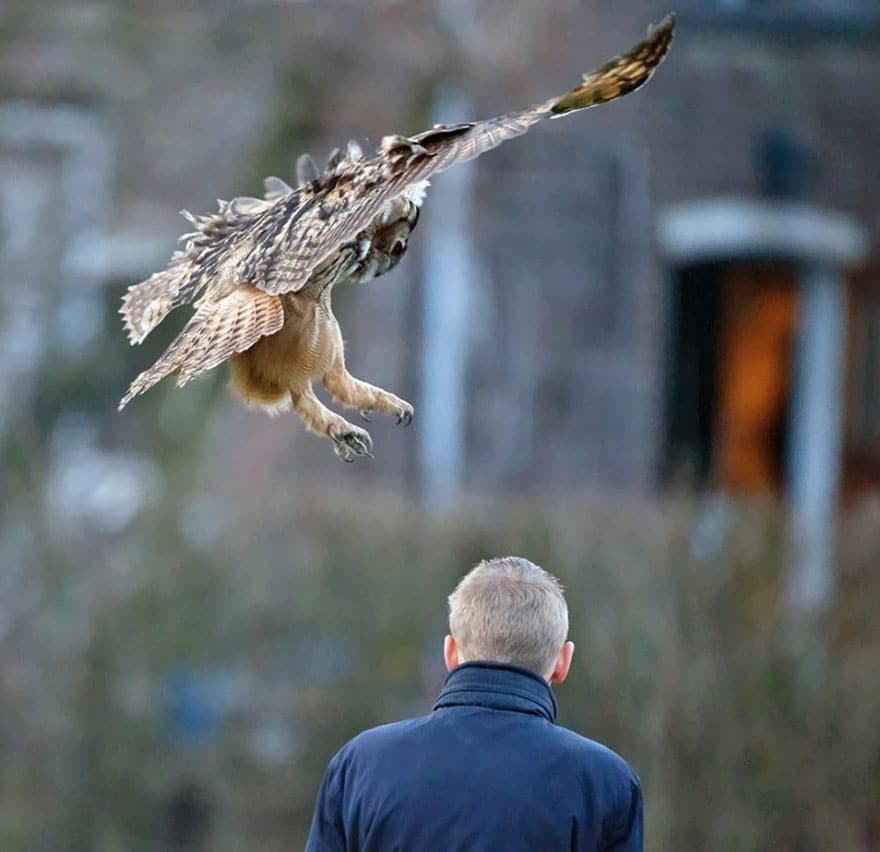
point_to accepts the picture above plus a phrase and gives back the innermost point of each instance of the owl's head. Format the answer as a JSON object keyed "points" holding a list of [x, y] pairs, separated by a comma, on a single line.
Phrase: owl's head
{"points": [[391, 242], [386, 241]]}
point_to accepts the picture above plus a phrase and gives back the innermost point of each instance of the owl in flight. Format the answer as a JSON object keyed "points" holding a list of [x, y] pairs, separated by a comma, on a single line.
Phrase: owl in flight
{"points": [[261, 272]]}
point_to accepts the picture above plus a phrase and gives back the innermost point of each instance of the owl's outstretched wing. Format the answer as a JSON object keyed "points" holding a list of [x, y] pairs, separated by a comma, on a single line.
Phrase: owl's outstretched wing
{"points": [[251, 250], [196, 266], [346, 199], [219, 327], [146, 304]]}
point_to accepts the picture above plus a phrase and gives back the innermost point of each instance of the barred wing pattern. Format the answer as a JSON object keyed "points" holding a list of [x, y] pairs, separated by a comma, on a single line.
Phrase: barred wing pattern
{"points": [[243, 257], [318, 225], [145, 305], [194, 267], [218, 328]]}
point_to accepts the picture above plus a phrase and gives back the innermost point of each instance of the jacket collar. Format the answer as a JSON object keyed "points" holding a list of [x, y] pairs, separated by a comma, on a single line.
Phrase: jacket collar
{"points": [[499, 686]]}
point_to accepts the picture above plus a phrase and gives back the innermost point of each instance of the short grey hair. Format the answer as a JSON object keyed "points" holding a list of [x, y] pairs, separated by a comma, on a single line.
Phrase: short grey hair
{"points": [[509, 610]]}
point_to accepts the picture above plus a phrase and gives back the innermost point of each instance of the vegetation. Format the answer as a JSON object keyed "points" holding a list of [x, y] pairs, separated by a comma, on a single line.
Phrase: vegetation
{"points": [[236, 668]]}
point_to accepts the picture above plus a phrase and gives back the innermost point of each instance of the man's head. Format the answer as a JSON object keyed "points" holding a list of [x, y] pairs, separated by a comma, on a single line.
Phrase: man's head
{"points": [[508, 610]]}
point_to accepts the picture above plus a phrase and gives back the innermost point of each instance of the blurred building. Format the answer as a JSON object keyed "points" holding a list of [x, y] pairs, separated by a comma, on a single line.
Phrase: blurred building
{"points": [[674, 288], [721, 329]]}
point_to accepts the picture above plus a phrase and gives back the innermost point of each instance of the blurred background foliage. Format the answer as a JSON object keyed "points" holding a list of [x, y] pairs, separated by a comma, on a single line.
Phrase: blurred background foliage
{"points": [[204, 691], [199, 605]]}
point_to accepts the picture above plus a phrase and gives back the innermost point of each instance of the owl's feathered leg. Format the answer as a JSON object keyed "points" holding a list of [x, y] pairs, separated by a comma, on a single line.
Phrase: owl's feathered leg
{"points": [[352, 392], [349, 441]]}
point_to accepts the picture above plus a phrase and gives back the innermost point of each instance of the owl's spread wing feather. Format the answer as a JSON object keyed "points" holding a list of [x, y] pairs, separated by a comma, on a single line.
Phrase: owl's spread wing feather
{"points": [[330, 211], [621, 75], [146, 304], [217, 329]]}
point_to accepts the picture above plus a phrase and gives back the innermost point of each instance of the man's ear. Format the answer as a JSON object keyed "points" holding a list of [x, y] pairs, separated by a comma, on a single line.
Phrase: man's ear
{"points": [[450, 653], [562, 664]]}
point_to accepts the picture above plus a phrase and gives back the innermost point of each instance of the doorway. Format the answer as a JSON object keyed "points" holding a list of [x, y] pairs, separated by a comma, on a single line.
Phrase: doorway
{"points": [[731, 373]]}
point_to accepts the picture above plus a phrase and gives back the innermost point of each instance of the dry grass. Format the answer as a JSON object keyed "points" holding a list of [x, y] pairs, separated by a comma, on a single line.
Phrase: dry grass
{"points": [[750, 730]]}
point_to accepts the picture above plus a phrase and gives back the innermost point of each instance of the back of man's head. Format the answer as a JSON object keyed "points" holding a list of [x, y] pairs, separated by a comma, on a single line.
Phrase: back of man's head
{"points": [[508, 610]]}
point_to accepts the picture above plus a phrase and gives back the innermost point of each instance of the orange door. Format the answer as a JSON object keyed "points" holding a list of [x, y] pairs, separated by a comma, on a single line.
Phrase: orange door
{"points": [[755, 366]]}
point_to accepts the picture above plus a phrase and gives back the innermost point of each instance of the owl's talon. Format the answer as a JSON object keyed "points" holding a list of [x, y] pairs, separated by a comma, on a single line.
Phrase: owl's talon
{"points": [[352, 444], [364, 413], [404, 418]]}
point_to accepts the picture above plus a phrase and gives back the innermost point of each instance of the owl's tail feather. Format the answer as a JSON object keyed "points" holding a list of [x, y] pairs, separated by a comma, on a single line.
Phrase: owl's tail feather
{"points": [[621, 75], [218, 328]]}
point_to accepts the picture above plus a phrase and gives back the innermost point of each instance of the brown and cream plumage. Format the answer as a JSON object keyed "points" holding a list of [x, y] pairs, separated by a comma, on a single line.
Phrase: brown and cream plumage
{"points": [[261, 271]]}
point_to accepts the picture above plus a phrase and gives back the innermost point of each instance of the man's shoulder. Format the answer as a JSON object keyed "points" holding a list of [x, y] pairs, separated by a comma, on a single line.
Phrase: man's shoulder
{"points": [[579, 750], [378, 739], [590, 753]]}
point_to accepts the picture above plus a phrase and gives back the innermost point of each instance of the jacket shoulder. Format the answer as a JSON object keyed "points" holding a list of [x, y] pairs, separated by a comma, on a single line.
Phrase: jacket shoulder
{"points": [[375, 740], [593, 755]]}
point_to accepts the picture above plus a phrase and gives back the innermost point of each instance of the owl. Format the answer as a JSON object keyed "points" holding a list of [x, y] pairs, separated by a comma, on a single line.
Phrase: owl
{"points": [[261, 271]]}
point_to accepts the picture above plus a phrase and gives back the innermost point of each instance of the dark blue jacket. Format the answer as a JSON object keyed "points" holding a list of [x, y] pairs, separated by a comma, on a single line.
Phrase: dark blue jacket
{"points": [[487, 770]]}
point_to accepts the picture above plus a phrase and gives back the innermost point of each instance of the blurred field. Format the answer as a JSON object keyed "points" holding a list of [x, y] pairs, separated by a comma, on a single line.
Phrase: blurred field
{"points": [[238, 671]]}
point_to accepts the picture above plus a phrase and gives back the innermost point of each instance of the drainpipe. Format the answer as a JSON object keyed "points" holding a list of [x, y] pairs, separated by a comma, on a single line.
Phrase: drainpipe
{"points": [[448, 278], [816, 437]]}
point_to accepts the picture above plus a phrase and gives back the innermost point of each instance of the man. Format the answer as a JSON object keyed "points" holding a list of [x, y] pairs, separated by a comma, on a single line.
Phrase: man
{"points": [[488, 769]]}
